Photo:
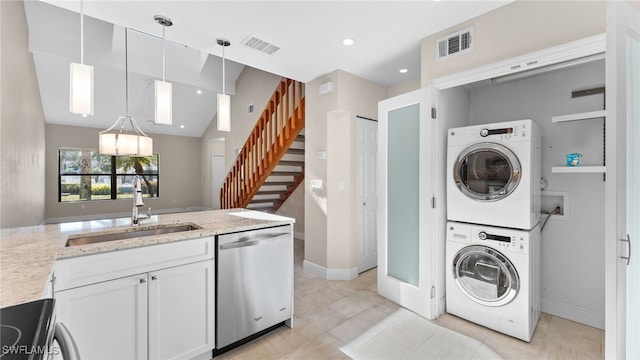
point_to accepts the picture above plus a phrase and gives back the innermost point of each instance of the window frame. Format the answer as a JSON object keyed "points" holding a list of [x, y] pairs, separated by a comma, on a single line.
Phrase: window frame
{"points": [[113, 174]]}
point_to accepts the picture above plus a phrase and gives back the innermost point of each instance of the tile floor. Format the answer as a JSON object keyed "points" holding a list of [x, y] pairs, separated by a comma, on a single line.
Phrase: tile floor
{"points": [[329, 314]]}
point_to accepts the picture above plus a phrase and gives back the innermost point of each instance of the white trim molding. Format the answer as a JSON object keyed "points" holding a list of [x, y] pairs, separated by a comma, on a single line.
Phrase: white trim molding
{"points": [[574, 313], [330, 274]]}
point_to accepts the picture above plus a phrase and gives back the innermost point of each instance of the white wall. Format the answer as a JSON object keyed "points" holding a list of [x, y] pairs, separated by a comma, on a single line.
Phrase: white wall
{"points": [[330, 126], [22, 126], [515, 29], [572, 246]]}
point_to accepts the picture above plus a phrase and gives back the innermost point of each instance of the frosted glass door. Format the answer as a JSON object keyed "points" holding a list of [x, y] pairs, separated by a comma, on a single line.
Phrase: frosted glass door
{"points": [[406, 245], [403, 188]]}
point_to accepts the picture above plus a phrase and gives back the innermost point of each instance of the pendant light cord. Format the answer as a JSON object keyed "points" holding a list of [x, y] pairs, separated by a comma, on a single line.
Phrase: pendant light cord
{"points": [[163, 52], [81, 32], [126, 72], [223, 72]]}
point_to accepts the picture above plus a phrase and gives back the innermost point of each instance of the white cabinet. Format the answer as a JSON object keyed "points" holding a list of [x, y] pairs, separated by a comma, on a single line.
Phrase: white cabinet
{"points": [[155, 311], [181, 311], [108, 320]]}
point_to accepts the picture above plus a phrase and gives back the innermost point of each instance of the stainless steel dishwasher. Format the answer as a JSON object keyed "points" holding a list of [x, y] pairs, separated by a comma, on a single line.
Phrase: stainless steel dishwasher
{"points": [[255, 282]]}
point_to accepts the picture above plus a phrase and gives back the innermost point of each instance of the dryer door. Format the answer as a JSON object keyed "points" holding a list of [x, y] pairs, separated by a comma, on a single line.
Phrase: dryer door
{"points": [[485, 275], [487, 172]]}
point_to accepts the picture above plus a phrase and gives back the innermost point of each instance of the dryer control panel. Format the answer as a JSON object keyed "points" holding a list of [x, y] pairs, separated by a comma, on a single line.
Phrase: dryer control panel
{"points": [[519, 130], [509, 242]]}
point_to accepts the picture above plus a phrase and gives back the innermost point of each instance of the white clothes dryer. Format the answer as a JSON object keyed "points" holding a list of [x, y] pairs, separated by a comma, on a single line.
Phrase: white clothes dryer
{"points": [[493, 277], [493, 174]]}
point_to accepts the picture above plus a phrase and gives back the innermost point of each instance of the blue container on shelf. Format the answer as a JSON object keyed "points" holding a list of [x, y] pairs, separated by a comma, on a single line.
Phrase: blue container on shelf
{"points": [[573, 159]]}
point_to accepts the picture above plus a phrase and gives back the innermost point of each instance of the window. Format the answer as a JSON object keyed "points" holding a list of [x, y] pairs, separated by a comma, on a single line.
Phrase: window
{"points": [[86, 175]]}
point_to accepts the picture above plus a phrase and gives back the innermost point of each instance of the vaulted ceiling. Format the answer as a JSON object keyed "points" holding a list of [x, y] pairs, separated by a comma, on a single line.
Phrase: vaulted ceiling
{"points": [[308, 34]]}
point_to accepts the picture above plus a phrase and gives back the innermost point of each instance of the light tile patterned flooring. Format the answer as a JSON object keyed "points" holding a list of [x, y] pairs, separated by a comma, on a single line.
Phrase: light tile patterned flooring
{"points": [[329, 314]]}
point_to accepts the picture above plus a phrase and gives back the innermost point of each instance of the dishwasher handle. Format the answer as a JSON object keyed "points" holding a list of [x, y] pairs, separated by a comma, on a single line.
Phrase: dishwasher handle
{"points": [[67, 345], [251, 240]]}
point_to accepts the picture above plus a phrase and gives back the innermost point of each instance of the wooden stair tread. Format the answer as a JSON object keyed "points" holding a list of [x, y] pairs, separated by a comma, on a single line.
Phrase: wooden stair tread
{"points": [[271, 192], [285, 173], [258, 201], [278, 183], [291, 163], [295, 151]]}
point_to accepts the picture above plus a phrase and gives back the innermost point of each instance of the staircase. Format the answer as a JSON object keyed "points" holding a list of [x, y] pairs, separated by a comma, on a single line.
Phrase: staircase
{"points": [[270, 165]]}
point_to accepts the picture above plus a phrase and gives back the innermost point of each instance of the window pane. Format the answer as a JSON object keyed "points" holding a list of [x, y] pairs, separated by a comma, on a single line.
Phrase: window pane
{"points": [[140, 165], [79, 161], [149, 184], [84, 188]]}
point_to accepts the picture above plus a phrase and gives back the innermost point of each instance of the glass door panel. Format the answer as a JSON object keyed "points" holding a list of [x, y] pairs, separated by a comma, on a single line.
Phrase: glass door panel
{"points": [[403, 189]]}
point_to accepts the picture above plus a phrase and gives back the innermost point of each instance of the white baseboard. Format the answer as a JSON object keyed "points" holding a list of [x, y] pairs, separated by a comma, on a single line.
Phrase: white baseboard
{"points": [[298, 235], [330, 274], [574, 313]]}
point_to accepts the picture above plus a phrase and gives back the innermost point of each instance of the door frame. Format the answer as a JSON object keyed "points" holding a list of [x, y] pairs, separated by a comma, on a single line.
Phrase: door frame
{"points": [[359, 181]]}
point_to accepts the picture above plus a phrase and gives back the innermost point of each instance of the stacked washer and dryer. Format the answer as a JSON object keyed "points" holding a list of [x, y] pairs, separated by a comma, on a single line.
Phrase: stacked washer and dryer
{"points": [[493, 231]]}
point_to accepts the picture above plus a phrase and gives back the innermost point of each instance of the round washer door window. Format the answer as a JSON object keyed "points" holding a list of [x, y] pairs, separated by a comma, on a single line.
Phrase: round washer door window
{"points": [[487, 172], [485, 275]]}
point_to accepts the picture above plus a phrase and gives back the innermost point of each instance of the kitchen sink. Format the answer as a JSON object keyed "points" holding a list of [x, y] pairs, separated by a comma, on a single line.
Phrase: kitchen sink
{"points": [[129, 233]]}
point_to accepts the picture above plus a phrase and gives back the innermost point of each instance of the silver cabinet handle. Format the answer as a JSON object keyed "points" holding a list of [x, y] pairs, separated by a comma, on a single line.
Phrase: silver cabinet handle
{"points": [[143, 280], [154, 277], [628, 257]]}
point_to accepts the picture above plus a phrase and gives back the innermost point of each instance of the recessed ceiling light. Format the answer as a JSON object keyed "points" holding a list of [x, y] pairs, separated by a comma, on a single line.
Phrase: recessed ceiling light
{"points": [[404, 71], [181, 126], [348, 42], [199, 92]]}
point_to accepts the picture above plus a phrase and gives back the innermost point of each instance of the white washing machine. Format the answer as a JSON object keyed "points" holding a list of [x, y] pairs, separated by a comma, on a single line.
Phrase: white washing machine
{"points": [[493, 174], [493, 277]]}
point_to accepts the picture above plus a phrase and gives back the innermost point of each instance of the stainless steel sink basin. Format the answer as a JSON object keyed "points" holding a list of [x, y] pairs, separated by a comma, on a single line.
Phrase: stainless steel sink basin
{"points": [[129, 233]]}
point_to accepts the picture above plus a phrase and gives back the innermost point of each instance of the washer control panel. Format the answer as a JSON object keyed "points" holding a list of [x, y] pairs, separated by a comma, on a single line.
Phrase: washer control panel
{"points": [[501, 241]]}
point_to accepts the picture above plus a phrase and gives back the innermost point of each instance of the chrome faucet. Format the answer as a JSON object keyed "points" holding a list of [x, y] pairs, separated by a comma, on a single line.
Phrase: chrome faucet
{"points": [[137, 200]]}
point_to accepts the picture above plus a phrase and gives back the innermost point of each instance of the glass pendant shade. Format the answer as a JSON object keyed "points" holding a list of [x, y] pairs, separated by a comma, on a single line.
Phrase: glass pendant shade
{"points": [[81, 89], [125, 138], [224, 112], [163, 107]]}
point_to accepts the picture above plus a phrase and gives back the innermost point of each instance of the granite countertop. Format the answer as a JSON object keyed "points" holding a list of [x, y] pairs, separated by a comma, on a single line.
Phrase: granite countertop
{"points": [[27, 253]]}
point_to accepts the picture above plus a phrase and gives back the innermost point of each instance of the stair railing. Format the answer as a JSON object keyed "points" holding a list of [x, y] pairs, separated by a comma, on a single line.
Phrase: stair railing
{"points": [[276, 129]]}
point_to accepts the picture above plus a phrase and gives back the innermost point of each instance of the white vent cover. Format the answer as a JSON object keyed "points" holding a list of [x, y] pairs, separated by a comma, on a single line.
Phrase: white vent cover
{"points": [[454, 44], [260, 45]]}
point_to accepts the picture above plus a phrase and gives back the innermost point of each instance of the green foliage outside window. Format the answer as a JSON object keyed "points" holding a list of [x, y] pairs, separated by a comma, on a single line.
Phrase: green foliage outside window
{"points": [[86, 175]]}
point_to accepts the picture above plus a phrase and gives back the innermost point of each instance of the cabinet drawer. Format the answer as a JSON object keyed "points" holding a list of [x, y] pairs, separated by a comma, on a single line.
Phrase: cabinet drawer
{"points": [[91, 269]]}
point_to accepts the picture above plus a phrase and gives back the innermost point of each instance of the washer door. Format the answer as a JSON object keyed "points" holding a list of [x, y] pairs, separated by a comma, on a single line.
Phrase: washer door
{"points": [[487, 172], [485, 275]]}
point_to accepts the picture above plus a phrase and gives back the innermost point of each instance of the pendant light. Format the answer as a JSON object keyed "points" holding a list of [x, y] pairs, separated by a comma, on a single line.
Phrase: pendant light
{"points": [[124, 137], [163, 89], [224, 101], [81, 79]]}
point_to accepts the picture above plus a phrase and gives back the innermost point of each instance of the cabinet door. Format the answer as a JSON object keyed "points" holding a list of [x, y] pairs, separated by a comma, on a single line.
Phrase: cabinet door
{"points": [[108, 320], [406, 246], [181, 311]]}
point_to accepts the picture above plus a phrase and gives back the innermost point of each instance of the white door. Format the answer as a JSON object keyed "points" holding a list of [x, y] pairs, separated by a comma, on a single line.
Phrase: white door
{"points": [[108, 320], [217, 178], [622, 337], [181, 311], [367, 202], [406, 246]]}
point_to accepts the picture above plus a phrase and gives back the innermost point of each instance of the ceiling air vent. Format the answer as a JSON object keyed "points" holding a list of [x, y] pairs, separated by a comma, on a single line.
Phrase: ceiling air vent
{"points": [[260, 45], [454, 44]]}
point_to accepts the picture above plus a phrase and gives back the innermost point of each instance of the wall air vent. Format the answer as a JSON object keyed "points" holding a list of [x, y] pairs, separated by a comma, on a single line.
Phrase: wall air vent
{"points": [[260, 45], [454, 44]]}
